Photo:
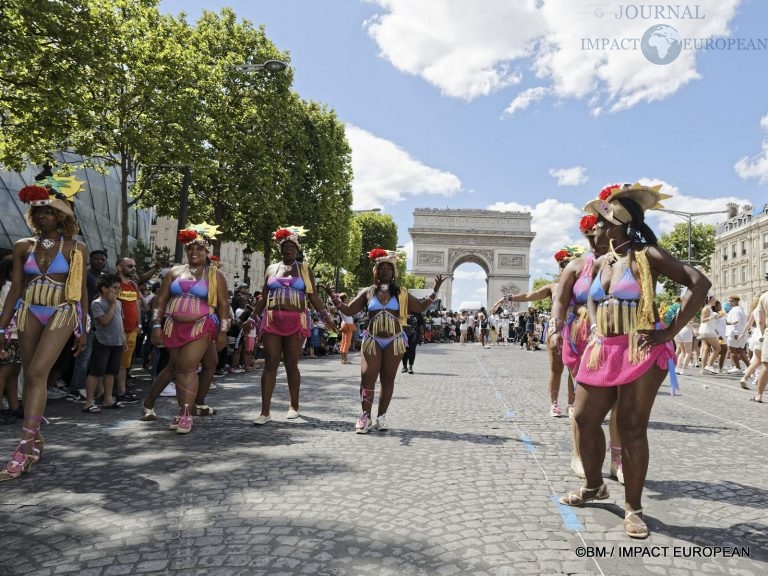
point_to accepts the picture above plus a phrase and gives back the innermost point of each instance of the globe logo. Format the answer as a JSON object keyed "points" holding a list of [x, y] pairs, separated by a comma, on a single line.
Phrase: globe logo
{"points": [[661, 44]]}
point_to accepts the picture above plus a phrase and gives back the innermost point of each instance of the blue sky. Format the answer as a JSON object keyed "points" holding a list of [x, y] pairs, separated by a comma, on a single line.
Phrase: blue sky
{"points": [[494, 104]]}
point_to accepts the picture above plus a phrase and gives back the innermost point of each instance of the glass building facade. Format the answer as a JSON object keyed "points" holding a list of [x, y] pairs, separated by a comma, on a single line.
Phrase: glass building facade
{"points": [[97, 209]]}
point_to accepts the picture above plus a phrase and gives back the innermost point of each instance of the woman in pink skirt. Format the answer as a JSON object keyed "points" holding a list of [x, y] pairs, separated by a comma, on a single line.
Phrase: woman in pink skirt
{"points": [[628, 356]]}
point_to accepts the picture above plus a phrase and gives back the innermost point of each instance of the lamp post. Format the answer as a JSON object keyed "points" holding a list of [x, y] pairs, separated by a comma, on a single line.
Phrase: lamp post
{"points": [[689, 216], [246, 266], [269, 66]]}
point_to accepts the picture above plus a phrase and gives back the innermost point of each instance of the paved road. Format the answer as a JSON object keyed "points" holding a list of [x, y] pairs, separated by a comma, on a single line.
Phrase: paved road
{"points": [[464, 483]]}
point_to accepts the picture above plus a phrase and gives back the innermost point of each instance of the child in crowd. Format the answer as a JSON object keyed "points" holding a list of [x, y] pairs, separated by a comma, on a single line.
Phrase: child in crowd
{"points": [[108, 344]]}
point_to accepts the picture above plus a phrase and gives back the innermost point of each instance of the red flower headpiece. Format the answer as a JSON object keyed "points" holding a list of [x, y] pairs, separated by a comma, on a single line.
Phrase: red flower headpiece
{"points": [[377, 253], [214, 258], [188, 235], [33, 193], [608, 191], [282, 234], [587, 222], [561, 255]]}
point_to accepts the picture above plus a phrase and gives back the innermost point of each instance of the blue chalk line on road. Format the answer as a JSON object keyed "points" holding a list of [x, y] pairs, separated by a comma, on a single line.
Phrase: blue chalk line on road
{"points": [[570, 520]]}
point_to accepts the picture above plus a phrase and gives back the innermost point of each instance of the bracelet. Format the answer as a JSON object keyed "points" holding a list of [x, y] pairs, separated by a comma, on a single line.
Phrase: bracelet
{"points": [[156, 326], [156, 314], [592, 327]]}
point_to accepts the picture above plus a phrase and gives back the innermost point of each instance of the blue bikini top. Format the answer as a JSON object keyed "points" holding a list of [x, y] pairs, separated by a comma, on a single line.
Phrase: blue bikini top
{"points": [[374, 305], [295, 282], [626, 288], [197, 288], [58, 266]]}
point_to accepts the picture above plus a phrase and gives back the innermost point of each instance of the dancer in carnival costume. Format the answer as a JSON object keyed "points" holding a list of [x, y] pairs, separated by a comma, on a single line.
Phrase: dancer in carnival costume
{"points": [[630, 352], [384, 341], [193, 303], [569, 336], [563, 257], [49, 295], [285, 322]]}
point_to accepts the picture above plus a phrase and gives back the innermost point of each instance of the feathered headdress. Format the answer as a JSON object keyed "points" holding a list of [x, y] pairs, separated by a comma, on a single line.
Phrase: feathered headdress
{"points": [[607, 205], [568, 253], [198, 234], [378, 256], [290, 234], [55, 191]]}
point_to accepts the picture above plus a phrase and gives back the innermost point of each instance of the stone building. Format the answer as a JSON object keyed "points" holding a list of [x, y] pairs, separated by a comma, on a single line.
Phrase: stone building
{"points": [[740, 259]]}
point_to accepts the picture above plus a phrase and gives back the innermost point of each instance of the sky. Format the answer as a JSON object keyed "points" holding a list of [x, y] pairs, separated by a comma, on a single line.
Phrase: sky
{"points": [[531, 105]]}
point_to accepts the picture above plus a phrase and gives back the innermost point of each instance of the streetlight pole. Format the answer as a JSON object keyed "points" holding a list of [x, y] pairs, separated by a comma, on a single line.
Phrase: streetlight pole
{"points": [[246, 266], [689, 216]]}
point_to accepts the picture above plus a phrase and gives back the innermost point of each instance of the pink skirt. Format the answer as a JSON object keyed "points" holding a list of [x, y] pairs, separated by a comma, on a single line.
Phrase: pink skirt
{"points": [[286, 323], [615, 367], [574, 346], [182, 333]]}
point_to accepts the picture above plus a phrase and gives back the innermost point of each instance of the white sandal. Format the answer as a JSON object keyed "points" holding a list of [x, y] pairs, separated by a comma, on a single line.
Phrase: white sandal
{"points": [[634, 526]]}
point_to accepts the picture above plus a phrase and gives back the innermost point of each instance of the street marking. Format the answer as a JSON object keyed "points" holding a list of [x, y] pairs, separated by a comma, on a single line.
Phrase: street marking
{"points": [[567, 514], [569, 517], [528, 442]]}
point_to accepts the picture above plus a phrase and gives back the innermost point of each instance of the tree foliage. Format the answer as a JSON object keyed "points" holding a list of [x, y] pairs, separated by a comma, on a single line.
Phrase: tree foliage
{"points": [[126, 86], [676, 243], [545, 304], [376, 231]]}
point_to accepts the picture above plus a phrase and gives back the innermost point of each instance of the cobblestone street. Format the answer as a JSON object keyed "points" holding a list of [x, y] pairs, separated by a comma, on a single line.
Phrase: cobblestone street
{"points": [[465, 482]]}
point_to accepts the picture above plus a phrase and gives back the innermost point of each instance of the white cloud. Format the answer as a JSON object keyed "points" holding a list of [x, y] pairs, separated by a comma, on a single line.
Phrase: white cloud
{"points": [[663, 222], [469, 49], [384, 173], [555, 223], [523, 100], [757, 166], [574, 176], [467, 273]]}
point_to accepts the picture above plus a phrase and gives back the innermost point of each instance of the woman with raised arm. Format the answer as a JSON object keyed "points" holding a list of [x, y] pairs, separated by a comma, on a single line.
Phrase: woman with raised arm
{"points": [[629, 353], [285, 323], [194, 303], [384, 342], [563, 257], [49, 296]]}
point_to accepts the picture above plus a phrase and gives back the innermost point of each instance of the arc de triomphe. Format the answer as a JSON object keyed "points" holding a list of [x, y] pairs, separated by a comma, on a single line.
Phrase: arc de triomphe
{"points": [[499, 242]]}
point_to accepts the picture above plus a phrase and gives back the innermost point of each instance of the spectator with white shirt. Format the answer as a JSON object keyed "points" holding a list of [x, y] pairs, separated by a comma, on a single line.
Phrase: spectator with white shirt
{"points": [[736, 335]]}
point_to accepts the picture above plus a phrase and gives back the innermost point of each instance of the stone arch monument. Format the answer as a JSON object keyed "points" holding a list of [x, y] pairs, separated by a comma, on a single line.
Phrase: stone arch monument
{"points": [[499, 242]]}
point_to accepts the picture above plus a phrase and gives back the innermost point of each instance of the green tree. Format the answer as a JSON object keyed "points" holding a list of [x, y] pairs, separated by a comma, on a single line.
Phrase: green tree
{"points": [[545, 304], [676, 243], [143, 256], [133, 101], [376, 231]]}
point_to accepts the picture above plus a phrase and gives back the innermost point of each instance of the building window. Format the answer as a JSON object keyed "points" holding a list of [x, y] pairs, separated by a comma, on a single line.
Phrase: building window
{"points": [[765, 240], [733, 277], [725, 278], [733, 249], [743, 247], [743, 274], [725, 252]]}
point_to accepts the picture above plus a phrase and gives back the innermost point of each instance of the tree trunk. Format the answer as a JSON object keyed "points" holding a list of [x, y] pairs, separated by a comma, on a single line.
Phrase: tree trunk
{"points": [[124, 228]]}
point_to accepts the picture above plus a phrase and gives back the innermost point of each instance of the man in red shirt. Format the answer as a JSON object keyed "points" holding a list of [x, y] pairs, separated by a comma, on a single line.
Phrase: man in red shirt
{"points": [[130, 298]]}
